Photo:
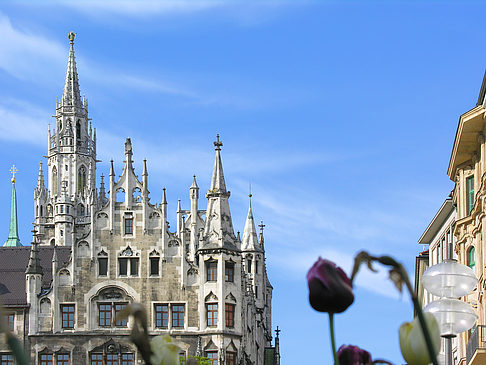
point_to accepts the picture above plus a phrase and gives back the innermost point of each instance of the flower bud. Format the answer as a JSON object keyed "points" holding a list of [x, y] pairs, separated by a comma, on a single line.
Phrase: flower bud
{"points": [[330, 290], [353, 355], [412, 341]]}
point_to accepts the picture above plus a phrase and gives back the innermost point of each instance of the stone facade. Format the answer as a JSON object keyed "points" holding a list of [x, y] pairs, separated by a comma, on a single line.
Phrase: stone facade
{"points": [[201, 283]]}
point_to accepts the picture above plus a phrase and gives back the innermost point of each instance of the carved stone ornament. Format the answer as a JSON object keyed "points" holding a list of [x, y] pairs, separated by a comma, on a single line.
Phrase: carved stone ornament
{"points": [[127, 252], [112, 293]]}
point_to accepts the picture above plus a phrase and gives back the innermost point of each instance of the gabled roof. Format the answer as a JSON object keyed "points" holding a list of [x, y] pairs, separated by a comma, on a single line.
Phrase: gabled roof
{"points": [[482, 92], [437, 222], [13, 262]]}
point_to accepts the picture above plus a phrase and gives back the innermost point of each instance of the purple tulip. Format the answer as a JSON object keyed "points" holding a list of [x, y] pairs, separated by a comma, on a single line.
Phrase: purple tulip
{"points": [[330, 290], [353, 355]]}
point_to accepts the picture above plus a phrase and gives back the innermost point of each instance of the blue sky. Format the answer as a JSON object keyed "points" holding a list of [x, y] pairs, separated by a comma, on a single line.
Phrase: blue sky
{"points": [[341, 114]]}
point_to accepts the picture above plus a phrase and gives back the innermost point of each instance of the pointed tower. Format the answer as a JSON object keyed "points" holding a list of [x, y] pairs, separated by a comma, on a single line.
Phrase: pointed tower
{"points": [[40, 199], [249, 241], [13, 235], [71, 164], [218, 231]]}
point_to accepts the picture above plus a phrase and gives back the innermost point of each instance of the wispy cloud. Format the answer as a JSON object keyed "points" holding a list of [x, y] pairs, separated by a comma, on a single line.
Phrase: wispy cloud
{"points": [[23, 123]]}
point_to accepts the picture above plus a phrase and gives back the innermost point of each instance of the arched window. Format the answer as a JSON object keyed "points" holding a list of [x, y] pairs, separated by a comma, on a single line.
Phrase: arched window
{"points": [[78, 130], [54, 180], [471, 258], [41, 211], [136, 195], [36, 210], [81, 179], [80, 210]]}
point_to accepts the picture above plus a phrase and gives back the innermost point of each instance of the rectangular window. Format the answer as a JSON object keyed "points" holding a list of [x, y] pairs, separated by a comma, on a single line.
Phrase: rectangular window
{"points": [[229, 272], [45, 359], [118, 308], [154, 266], [248, 266], [211, 270], [62, 209], [67, 313], [96, 359], [213, 357], [10, 320], [104, 315], [122, 265], [129, 225], [134, 267], [470, 193], [229, 315], [212, 314], [182, 358], [256, 291], [62, 359], [112, 359], [178, 315], [102, 266], [6, 359], [161, 315], [230, 358], [256, 267], [127, 359]]}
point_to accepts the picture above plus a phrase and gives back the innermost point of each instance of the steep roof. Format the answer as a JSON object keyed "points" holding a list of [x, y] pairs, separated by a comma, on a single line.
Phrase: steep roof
{"points": [[13, 262]]}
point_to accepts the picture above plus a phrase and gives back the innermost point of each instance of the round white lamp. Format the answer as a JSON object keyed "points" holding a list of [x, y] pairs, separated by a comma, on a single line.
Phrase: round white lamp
{"points": [[450, 280]]}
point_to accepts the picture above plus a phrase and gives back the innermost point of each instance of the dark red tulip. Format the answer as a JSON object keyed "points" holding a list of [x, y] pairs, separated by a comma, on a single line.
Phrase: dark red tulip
{"points": [[330, 290], [353, 355]]}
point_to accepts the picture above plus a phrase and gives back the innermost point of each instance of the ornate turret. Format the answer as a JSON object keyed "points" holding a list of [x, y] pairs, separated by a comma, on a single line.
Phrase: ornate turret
{"points": [[219, 227], [71, 95], [13, 235], [249, 241]]}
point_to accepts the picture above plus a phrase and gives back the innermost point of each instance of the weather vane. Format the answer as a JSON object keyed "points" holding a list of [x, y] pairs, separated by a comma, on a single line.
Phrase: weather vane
{"points": [[218, 143], [13, 170]]}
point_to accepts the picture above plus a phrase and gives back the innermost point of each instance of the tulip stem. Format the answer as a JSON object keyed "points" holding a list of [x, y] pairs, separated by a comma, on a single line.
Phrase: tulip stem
{"points": [[333, 340]]}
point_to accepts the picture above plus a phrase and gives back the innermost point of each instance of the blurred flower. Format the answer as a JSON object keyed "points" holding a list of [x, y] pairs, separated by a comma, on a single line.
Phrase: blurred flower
{"points": [[164, 351], [412, 342], [353, 355], [330, 290]]}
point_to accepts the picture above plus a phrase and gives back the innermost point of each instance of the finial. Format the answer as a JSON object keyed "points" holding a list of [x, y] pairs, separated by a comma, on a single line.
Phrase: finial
{"points": [[261, 225], [71, 36], [250, 194], [277, 331], [13, 170], [218, 143]]}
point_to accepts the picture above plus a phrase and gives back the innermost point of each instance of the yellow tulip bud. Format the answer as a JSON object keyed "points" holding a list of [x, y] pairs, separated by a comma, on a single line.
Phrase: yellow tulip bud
{"points": [[412, 341], [165, 351]]}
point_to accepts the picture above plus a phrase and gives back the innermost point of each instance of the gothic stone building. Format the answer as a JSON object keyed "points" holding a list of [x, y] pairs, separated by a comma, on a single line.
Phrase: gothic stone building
{"points": [[96, 250]]}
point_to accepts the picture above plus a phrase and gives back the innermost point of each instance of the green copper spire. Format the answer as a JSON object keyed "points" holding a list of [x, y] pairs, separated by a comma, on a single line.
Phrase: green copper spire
{"points": [[13, 236]]}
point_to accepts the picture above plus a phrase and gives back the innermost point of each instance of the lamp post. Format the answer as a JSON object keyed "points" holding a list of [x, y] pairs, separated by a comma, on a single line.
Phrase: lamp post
{"points": [[450, 280]]}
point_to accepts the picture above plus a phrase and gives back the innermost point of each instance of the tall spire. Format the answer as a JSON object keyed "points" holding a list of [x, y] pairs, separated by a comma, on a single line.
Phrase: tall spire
{"points": [[34, 266], [249, 241], [218, 185], [13, 235], [40, 179], [71, 95], [219, 227], [102, 196]]}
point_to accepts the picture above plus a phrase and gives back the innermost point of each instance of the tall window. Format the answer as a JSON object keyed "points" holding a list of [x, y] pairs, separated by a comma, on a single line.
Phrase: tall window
{"points": [[177, 315], [211, 270], [470, 193], [248, 266], [129, 225], [112, 359], [78, 130], [54, 180], [62, 359], [81, 179], [104, 315], [212, 314], [6, 359], [471, 259], [229, 271], [128, 266], [161, 315], [127, 359], [67, 313], [154, 266], [182, 358], [10, 319], [108, 311], [230, 358], [229, 315], [213, 357], [102, 266], [45, 359], [96, 359]]}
